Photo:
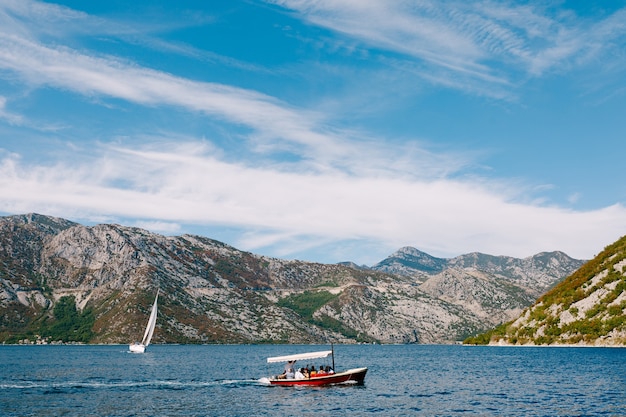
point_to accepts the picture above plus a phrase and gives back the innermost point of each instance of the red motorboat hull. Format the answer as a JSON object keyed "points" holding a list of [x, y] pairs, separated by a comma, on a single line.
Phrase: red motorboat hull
{"points": [[352, 376]]}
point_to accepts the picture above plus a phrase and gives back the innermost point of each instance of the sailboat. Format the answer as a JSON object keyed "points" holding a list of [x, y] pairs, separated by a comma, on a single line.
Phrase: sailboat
{"points": [[140, 347]]}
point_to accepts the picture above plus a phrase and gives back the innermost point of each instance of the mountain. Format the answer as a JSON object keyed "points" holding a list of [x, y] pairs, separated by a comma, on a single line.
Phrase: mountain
{"points": [[491, 298], [60, 280], [536, 273], [411, 262], [587, 308]]}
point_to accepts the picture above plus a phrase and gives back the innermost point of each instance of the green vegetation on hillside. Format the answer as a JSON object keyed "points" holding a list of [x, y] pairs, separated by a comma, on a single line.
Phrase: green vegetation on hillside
{"points": [[485, 338], [307, 303], [575, 287], [544, 326], [67, 324]]}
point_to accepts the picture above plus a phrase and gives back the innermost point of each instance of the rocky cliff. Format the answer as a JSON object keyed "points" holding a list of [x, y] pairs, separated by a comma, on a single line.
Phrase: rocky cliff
{"points": [[214, 293], [587, 308]]}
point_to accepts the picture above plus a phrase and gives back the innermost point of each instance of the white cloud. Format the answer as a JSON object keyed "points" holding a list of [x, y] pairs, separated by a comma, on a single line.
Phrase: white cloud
{"points": [[68, 69], [276, 125], [476, 41], [12, 118], [293, 211], [159, 226]]}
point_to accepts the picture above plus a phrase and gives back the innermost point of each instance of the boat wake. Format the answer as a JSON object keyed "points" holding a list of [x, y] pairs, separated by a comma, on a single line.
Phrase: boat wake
{"points": [[114, 385]]}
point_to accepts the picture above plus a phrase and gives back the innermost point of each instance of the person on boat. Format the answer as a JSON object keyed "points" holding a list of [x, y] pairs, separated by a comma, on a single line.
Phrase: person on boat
{"points": [[299, 374], [329, 370], [288, 370], [305, 372], [321, 371], [313, 371]]}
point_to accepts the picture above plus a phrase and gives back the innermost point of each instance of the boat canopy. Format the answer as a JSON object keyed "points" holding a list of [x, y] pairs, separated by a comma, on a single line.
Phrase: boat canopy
{"points": [[301, 356]]}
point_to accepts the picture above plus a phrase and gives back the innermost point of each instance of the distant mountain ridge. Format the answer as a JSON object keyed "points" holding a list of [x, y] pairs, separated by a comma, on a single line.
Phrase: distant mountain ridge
{"points": [[535, 272], [214, 293]]}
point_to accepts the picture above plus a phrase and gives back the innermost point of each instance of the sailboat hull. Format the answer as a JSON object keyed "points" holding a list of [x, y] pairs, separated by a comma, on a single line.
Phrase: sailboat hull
{"points": [[137, 348]]}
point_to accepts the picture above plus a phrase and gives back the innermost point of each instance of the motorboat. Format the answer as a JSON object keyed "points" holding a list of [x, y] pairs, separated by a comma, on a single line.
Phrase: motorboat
{"points": [[350, 376]]}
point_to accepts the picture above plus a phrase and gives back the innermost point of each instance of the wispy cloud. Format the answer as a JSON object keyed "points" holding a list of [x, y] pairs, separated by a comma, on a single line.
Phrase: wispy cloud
{"points": [[44, 20], [475, 44], [12, 118], [64, 68], [276, 126]]}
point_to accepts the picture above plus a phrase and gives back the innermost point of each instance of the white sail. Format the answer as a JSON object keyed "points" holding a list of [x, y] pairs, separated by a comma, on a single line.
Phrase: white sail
{"points": [[147, 336]]}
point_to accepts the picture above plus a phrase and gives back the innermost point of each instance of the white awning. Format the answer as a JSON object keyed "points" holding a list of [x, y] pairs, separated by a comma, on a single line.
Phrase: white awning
{"points": [[301, 356]]}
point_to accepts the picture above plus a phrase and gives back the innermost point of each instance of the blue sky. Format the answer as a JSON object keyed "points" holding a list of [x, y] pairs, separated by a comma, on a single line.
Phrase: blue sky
{"points": [[321, 130]]}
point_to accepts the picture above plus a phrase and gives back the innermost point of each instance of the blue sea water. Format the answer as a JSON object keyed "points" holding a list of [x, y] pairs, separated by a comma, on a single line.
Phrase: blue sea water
{"points": [[222, 380]]}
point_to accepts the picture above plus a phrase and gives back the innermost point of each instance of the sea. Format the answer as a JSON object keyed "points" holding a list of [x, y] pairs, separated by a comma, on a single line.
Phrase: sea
{"points": [[224, 380]]}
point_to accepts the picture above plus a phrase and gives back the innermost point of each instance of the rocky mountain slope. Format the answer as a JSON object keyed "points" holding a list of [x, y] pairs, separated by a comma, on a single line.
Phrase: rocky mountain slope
{"points": [[214, 293], [588, 308], [536, 273]]}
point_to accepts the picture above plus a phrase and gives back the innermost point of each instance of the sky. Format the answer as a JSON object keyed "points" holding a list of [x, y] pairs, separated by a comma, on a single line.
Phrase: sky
{"points": [[321, 130]]}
